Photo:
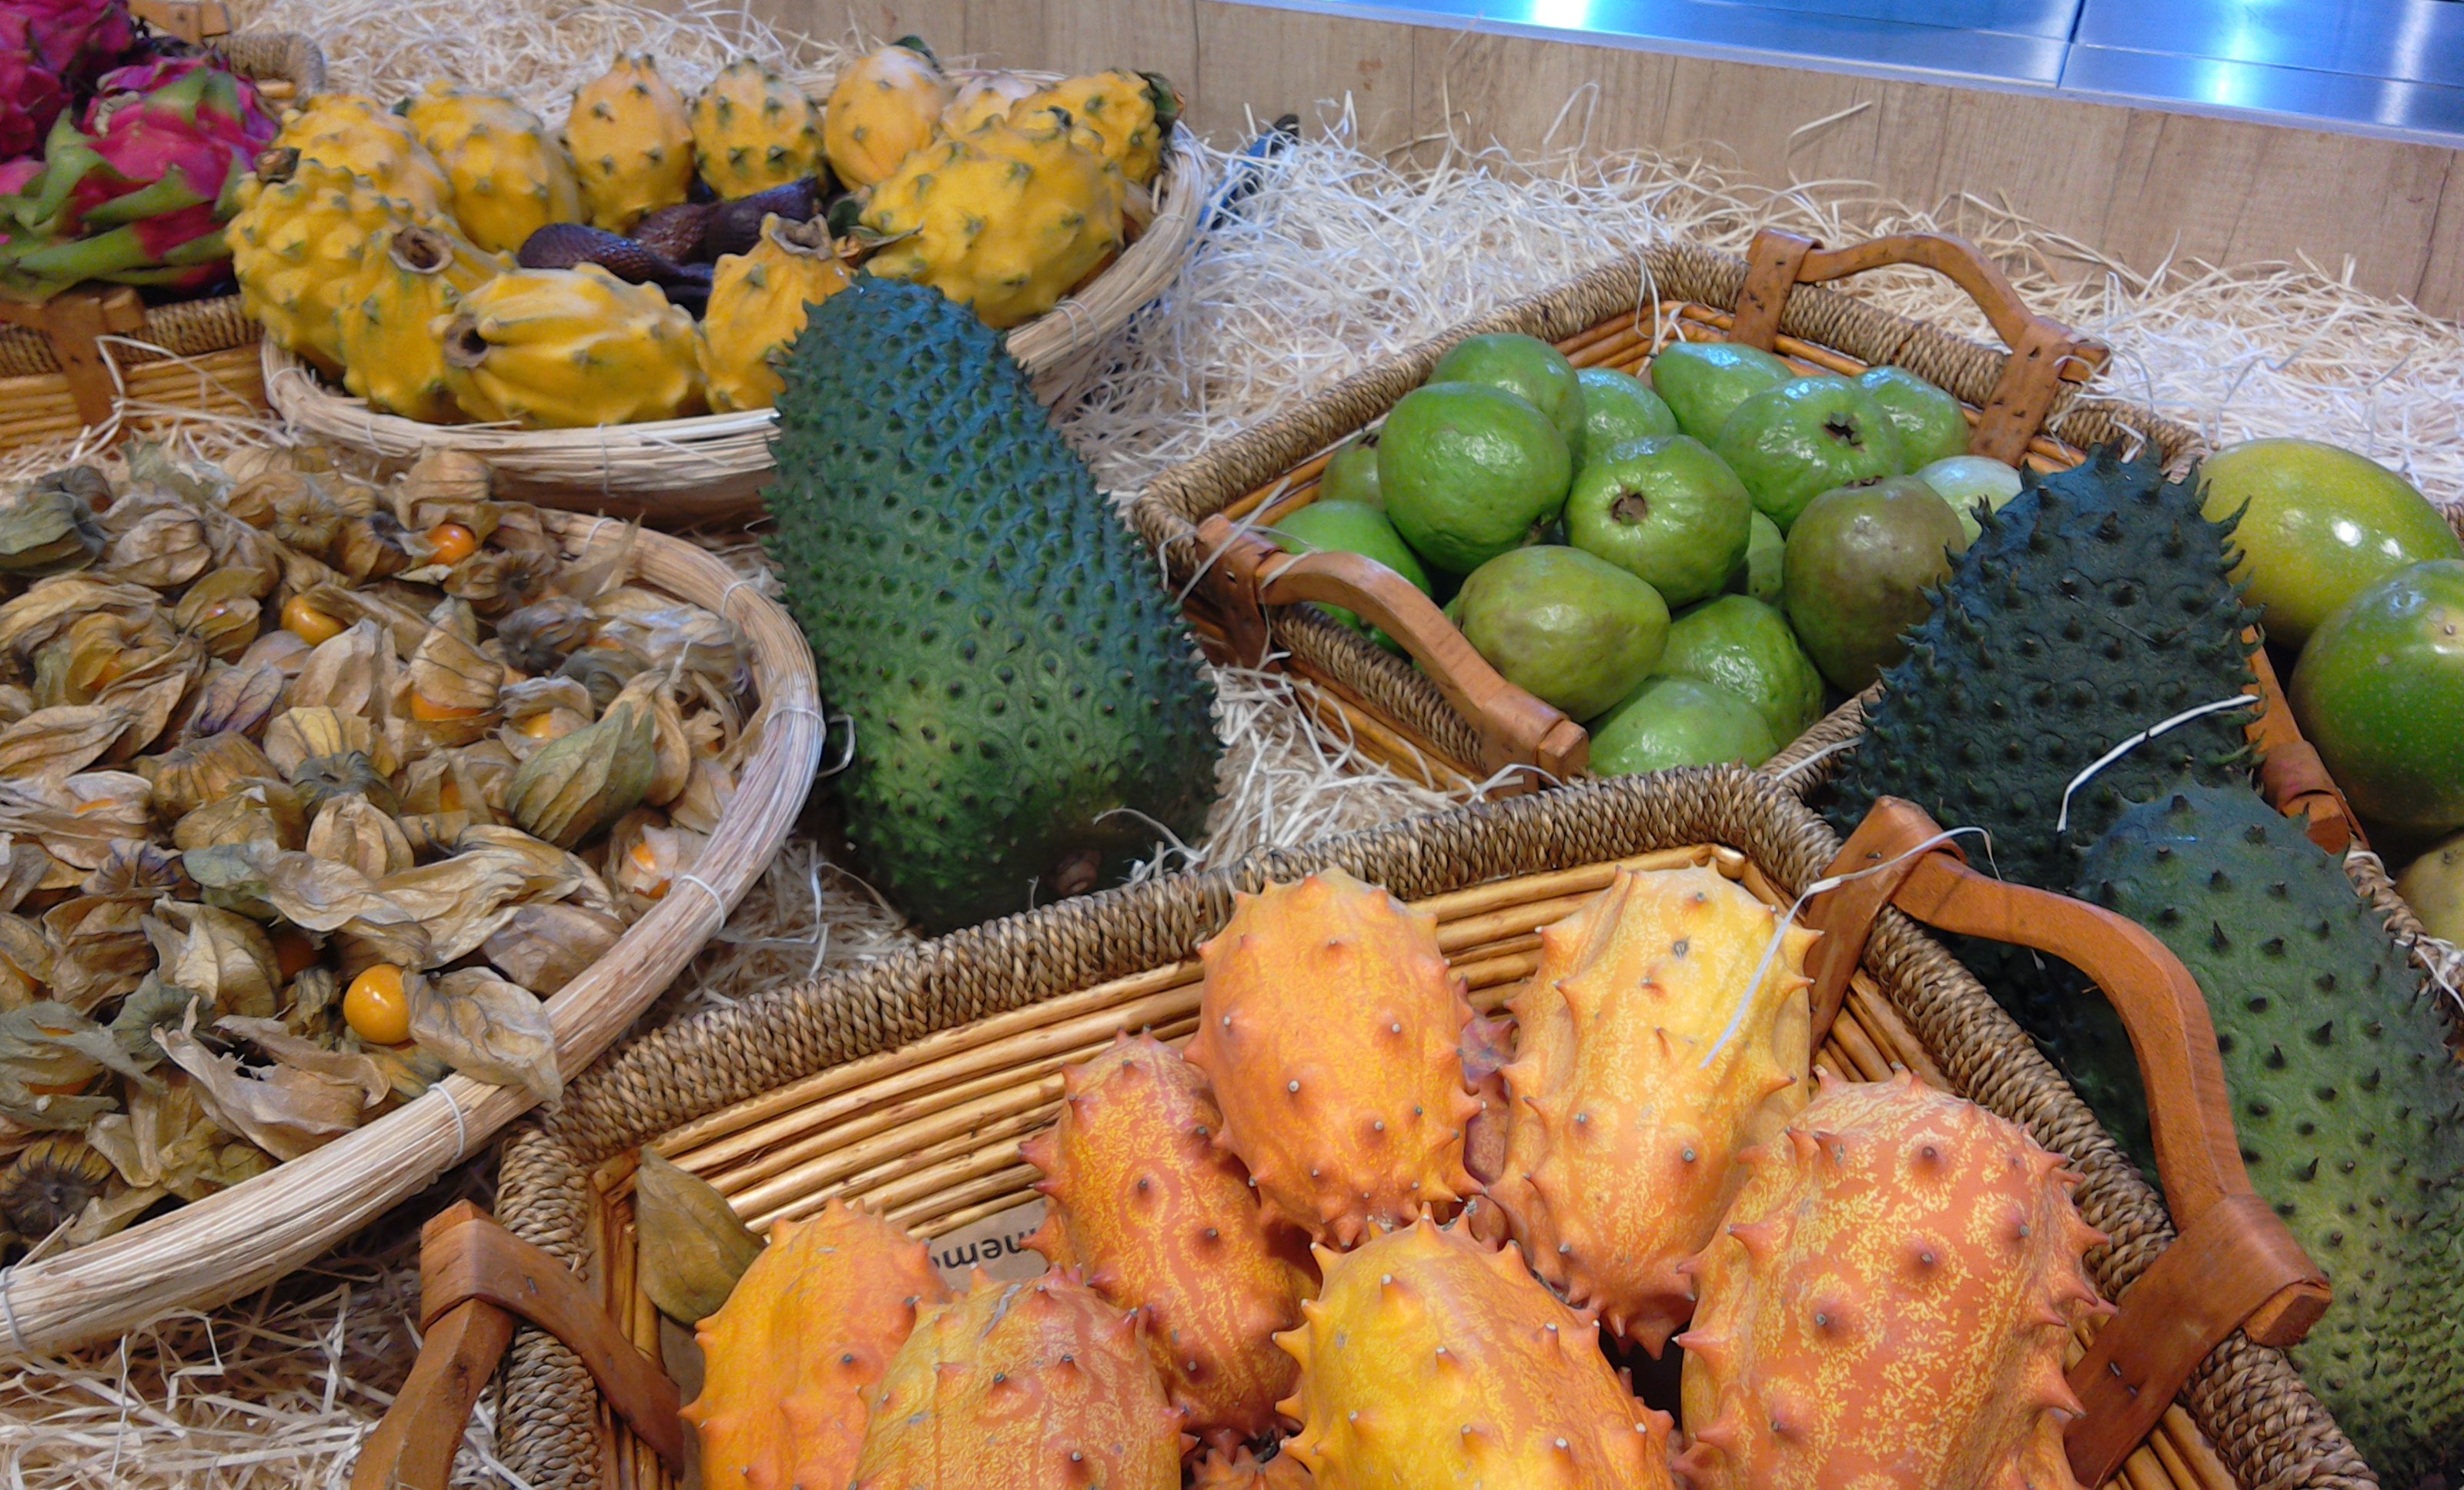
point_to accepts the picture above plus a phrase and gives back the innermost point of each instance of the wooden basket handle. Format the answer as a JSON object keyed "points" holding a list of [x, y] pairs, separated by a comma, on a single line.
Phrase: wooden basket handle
{"points": [[2044, 353], [1248, 572], [2233, 1264], [2290, 772], [476, 1278]]}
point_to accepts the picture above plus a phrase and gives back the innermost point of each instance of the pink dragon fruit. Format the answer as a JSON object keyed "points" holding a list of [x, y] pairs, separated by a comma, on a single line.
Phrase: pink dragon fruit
{"points": [[31, 94], [73, 39], [139, 194]]}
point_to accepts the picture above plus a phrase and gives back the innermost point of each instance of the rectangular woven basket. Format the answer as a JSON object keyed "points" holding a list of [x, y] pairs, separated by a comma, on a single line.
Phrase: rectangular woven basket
{"points": [[1441, 716], [198, 355], [909, 1082]]}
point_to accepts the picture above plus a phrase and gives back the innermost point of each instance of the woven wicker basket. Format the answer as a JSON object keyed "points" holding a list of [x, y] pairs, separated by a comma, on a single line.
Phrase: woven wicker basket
{"points": [[189, 355], [218, 1248], [712, 467], [908, 1084], [1444, 715]]}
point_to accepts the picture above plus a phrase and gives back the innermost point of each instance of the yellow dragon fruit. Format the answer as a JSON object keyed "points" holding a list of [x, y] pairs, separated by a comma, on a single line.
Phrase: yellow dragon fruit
{"points": [[1430, 1360], [1007, 220], [1888, 1304], [756, 306], [982, 99], [391, 353], [302, 236], [570, 348], [631, 141], [1133, 114], [882, 110], [1664, 1032], [754, 130], [352, 132], [1330, 1027], [510, 176]]}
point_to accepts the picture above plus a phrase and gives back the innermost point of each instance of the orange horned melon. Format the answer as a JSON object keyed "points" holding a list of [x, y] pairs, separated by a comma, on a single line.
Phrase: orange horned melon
{"points": [[1165, 1222], [788, 1362], [1032, 1386], [1241, 1470], [1329, 1025], [1669, 1033], [1431, 1360], [1888, 1304]]}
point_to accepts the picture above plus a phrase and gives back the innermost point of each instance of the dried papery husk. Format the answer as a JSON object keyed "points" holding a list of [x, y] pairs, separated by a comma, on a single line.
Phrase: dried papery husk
{"points": [[60, 741], [202, 770], [305, 518], [87, 655], [25, 960], [704, 647], [252, 496], [296, 736], [76, 819], [220, 611], [260, 810], [159, 542], [48, 530], [693, 1245], [539, 637], [409, 1069], [576, 785], [343, 672], [285, 1109], [372, 547], [645, 855], [286, 652], [154, 1004], [51, 1048], [136, 868], [100, 950], [347, 772], [708, 790], [491, 766], [357, 498], [351, 830], [605, 559], [31, 621], [442, 783], [551, 872], [165, 1142], [402, 625], [674, 746], [500, 580], [548, 944], [150, 693], [603, 669], [453, 688], [307, 997], [488, 1028], [432, 834], [219, 954], [50, 1182], [237, 699], [242, 550], [446, 477], [460, 901]]}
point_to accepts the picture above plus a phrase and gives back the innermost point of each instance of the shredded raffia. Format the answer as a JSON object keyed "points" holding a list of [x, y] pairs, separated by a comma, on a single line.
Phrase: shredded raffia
{"points": [[1339, 258]]}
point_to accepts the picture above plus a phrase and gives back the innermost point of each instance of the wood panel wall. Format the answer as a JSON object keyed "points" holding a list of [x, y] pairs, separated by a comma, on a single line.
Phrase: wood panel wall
{"points": [[2138, 183]]}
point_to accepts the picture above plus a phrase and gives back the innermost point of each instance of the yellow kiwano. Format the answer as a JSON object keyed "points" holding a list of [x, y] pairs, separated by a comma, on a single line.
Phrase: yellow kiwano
{"points": [[1006, 220], [1133, 114], [980, 101], [633, 143], [302, 233], [756, 306], [569, 348], [353, 133], [510, 177], [391, 353], [884, 109], [752, 131]]}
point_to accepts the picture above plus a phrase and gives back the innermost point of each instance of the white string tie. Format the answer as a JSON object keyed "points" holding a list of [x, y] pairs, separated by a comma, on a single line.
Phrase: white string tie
{"points": [[2062, 819], [718, 901], [461, 1130], [8, 1309]]}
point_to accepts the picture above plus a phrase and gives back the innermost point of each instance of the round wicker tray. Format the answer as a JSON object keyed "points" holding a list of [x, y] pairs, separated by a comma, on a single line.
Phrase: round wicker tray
{"points": [[219, 1248], [679, 472]]}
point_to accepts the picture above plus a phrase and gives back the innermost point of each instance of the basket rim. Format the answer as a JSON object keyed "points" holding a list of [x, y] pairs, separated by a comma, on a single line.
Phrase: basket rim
{"points": [[700, 1066], [214, 1250], [662, 455]]}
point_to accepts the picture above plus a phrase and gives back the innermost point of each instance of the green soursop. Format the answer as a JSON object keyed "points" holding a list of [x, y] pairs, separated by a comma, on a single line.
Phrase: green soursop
{"points": [[1028, 707], [2094, 605], [2343, 1090]]}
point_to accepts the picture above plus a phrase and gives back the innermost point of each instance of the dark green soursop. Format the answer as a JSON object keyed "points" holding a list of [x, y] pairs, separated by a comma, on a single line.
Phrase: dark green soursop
{"points": [[2093, 606], [2343, 1090], [1027, 704]]}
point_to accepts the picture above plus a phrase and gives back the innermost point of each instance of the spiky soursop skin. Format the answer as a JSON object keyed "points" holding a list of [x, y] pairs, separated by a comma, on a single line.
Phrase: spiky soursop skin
{"points": [[1330, 1027], [1032, 1386], [2094, 607], [1025, 696], [1242, 1470], [1429, 1359], [413, 281], [1130, 113], [758, 304], [753, 130], [510, 176], [2345, 1094], [569, 348], [354, 133], [1888, 1304], [299, 243], [883, 109], [790, 1363], [631, 141], [1005, 219], [1163, 1221], [1657, 1058]]}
